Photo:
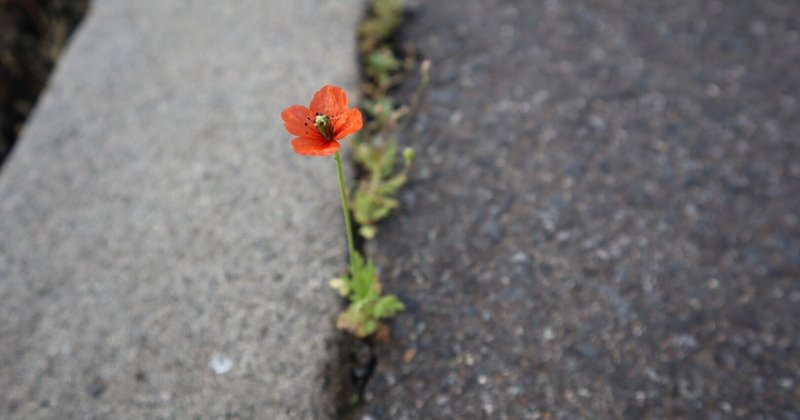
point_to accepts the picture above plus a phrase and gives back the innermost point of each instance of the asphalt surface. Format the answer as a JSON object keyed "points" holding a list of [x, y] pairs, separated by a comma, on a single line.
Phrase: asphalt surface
{"points": [[603, 217], [163, 252]]}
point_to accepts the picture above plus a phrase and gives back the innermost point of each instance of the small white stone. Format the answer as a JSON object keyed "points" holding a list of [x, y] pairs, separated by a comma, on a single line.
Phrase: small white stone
{"points": [[519, 257], [221, 364], [548, 334], [469, 359], [488, 408]]}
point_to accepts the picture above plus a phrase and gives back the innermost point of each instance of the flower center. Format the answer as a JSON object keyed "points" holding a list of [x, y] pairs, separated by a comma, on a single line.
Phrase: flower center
{"points": [[324, 126]]}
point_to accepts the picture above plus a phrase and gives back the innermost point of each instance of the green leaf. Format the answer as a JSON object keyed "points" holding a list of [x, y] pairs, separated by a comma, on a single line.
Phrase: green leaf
{"points": [[387, 156], [379, 109], [382, 61], [361, 207], [370, 325], [387, 306], [393, 184], [363, 277], [384, 206], [351, 320]]}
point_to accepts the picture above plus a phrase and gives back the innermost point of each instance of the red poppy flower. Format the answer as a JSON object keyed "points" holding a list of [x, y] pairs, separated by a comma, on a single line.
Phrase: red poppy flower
{"points": [[320, 126]]}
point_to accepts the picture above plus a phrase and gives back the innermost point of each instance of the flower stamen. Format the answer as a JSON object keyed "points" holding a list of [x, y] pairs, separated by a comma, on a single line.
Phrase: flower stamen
{"points": [[324, 126]]}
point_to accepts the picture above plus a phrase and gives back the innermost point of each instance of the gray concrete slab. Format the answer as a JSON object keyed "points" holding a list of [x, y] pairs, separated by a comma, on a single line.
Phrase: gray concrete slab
{"points": [[156, 230]]}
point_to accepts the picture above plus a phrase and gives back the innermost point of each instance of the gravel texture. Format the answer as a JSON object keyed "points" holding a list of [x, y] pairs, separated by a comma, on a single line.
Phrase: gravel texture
{"points": [[163, 253], [603, 217]]}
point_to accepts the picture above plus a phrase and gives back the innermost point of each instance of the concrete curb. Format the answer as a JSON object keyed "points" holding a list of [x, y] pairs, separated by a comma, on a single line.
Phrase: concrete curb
{"points": [[163, 254]]}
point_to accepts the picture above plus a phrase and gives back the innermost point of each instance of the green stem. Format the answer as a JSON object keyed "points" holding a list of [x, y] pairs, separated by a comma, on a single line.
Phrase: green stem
{"points": [[347, 225]]}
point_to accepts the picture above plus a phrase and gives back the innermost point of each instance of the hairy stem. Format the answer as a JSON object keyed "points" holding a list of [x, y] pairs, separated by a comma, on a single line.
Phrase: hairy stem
{"points": [[348, 227]]}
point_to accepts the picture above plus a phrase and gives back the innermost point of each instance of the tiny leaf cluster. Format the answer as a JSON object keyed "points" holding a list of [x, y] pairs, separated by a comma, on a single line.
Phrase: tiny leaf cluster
{"points": [[368, 305]]}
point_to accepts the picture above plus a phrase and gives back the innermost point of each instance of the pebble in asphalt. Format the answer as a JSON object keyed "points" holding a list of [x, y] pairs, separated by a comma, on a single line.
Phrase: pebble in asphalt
{"points": [[603, 219]]}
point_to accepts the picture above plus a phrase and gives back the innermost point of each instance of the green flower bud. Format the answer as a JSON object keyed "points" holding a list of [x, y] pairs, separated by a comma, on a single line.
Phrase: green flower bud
{"points": [[408, 155], [368, 231]]}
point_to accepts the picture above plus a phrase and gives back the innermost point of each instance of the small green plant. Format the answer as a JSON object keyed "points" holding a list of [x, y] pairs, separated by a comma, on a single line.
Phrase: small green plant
{"points": [[375, 151], [376, 148], [382, 68], [374, 198], [368, 305], [382, 21]]}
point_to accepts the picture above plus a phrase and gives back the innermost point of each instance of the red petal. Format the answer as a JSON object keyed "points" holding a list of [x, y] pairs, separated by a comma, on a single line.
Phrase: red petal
{"points": [[330, 100], [315, 147], [299, 121], [347, 123]]}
